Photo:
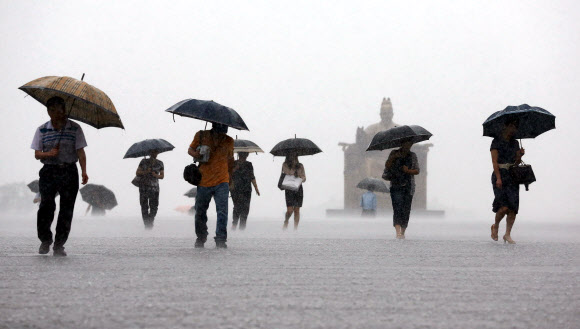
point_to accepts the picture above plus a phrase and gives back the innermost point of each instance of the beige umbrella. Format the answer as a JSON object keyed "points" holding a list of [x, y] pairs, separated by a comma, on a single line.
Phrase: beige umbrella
{"points": [[84, 102]]}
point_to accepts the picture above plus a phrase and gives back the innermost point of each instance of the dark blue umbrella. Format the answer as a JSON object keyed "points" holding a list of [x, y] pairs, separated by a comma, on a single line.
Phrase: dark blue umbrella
{"points": [[532, 120], [297, 146], [373, 184], [98, 196], [395, 137], [209, 111], [34, 186], [143, 148], [191, 193]]}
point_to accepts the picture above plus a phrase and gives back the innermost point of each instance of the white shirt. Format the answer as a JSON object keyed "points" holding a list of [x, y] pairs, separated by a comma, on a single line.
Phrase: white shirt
{"points": [[71, 138]]}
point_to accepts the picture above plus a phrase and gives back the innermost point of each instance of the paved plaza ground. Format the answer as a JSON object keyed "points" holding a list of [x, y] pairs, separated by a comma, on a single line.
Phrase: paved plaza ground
{"points": [[332, 273]]}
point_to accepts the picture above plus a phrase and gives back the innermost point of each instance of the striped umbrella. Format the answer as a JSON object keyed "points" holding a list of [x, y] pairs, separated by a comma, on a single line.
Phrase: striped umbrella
{"points": [[84, 102], [242, 145]]}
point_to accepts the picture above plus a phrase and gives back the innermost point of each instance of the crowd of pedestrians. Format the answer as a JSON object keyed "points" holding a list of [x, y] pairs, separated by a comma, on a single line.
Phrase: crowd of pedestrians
{"points": [[59, 144]]}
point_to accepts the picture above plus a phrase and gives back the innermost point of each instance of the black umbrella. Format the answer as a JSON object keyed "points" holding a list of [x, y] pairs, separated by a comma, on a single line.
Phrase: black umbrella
{"points": [[145, 147], [395, 137], [191, 193], [34, 186], [297, 146], [532, 121], [98, 196], [242, 145], [209, 111], [373, 184]]}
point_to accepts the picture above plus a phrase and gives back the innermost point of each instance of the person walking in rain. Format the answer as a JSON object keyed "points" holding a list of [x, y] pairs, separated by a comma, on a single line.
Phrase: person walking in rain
{"points": [[242, 178], [215, 179], [294, 199], [505, 151], [58, 144], [150, 170], [368, 202], [402, 166]]}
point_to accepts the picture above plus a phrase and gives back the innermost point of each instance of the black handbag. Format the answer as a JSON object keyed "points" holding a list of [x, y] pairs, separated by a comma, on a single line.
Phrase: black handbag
{"points": [[522, 174], [192, 174], [137, 181]]}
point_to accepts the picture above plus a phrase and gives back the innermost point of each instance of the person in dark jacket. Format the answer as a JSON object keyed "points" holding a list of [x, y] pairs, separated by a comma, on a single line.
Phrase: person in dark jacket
{"points": [[403, 166], [150, 170], [505, 151], [242, 178]]}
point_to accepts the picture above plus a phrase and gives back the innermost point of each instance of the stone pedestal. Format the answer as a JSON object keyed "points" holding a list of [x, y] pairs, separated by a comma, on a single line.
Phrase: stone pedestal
{"points": [[359, 164]]}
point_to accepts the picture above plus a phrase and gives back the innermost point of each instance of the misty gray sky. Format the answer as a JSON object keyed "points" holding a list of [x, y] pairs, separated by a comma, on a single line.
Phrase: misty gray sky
{"points": [[315, 69]]}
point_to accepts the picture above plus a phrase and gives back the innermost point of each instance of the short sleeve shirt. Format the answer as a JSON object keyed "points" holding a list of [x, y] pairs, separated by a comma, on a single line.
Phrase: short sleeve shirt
{"points": [[216, 170], [156, 166], [243, 176], [70, 139], [507, 150]]}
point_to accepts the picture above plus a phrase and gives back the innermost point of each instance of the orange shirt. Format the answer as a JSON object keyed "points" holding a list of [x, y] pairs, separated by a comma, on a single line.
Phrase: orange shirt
{"points": [[221, 159]]}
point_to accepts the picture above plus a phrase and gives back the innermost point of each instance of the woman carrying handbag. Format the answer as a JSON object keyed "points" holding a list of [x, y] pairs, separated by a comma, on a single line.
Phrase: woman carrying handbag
{"points": [[292, 167]]}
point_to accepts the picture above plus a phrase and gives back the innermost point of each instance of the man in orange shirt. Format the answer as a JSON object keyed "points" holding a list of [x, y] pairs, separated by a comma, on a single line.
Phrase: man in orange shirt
{"points": [[215, 178]]}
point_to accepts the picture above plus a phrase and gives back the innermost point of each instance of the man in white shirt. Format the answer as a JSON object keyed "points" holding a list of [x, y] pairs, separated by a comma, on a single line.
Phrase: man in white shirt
{"points": [[58, 144]]}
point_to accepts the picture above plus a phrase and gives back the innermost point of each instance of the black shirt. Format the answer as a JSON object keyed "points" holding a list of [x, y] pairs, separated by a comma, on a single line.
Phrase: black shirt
{"points": [[507, 150], [243, 176]]}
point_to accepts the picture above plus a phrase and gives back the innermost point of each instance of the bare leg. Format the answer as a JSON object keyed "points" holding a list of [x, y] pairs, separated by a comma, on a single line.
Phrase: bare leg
{"points": [[398, 229], [296, 217], [511, 219], [403, 229], [289, 211], [498, 218]]}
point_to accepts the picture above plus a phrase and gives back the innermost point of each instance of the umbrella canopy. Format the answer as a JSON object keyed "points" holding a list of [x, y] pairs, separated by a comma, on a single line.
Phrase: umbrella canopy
{"points": [[34, 186], [395, 137], [209, 111], [98, 196], [373, 184], [84, 102], [191, 193], [532, 120], [298, 146], [242, 145], [143, 148]]}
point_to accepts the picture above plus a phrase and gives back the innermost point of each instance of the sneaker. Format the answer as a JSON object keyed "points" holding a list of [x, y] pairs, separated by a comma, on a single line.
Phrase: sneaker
{"points": [[58, 252], [44, 247], [221, 245], [199, 243]]}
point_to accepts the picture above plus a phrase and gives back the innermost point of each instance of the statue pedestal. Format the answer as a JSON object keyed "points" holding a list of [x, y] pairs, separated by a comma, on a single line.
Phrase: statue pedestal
{"points": [[359, 164]]}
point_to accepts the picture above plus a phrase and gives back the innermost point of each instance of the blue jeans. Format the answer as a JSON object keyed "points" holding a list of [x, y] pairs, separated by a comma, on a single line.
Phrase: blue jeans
{"points": [[220, 194]]}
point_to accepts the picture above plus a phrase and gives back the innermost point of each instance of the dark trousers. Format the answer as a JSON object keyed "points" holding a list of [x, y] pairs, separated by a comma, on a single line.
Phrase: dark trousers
{"points": [[369, 213], [401, 198], [64, 181], [241, 210], [149, 199], [220, 195]]}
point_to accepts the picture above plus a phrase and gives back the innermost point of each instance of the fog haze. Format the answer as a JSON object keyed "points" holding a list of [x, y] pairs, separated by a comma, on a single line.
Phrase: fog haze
{"points": [[317, 70]]}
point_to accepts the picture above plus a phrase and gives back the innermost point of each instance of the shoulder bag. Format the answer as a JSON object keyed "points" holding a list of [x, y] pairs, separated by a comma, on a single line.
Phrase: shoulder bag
{"points": [[191, 172]]}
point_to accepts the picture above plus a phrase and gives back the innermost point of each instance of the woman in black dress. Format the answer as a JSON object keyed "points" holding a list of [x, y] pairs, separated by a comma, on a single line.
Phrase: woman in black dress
{"points": [[291, 166], [243, 178], [505, 151]]}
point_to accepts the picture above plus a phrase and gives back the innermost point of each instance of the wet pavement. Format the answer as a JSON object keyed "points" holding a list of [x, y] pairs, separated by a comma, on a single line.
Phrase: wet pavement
{"points": [[331, 273]]}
